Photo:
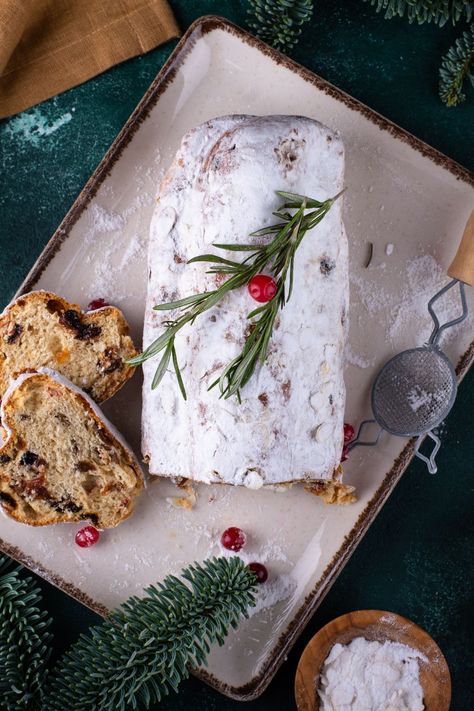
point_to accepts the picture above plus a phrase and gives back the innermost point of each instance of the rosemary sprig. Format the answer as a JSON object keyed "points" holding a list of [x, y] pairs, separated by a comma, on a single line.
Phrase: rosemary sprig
{"points": [[276, 256]]}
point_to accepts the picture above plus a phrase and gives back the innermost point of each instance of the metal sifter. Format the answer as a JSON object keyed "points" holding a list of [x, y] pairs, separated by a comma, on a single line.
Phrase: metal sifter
{"points": [[416, 389]]}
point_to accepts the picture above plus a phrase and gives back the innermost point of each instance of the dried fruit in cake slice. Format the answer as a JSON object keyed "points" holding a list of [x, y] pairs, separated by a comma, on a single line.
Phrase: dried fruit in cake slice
{"points": [[90, 349], [62, 461]]}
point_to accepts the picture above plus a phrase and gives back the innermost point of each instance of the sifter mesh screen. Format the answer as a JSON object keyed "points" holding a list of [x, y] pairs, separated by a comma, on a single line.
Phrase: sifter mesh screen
{"points": [[414, 391]]}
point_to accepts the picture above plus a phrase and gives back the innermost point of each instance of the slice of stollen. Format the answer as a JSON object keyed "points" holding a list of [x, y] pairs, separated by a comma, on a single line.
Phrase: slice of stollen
{"points": [[61, 459], [41, 329]]}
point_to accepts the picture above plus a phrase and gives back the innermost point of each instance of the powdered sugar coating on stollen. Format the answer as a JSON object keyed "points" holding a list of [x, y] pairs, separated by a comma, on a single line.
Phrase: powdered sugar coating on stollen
{"points": [[220, 188]]}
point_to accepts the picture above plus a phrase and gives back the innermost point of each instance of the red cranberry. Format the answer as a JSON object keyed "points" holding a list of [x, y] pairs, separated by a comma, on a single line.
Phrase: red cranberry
{"points": [[345, 454], [87, 536], [348, 432], [262, 288], [260, 571], [233, 539], [97, 304]]}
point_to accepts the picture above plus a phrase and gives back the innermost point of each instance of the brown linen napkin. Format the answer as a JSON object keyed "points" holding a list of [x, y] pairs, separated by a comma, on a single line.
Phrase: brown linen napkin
{"points": [[48, 46]]}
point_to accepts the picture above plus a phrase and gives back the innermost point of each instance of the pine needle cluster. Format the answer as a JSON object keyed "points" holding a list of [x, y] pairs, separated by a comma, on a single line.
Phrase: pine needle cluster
{"points": [[279, 22], [140, 653], [437, 11], [456, 69], [25, 641], [146, 647]]}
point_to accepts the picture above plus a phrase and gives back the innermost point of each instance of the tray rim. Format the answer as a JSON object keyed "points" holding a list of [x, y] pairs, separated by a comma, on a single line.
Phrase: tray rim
{"points": [[200, 27]]}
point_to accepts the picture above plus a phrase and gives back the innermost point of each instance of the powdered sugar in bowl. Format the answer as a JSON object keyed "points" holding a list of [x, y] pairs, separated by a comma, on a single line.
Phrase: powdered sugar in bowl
{"points": [[372, 641]]}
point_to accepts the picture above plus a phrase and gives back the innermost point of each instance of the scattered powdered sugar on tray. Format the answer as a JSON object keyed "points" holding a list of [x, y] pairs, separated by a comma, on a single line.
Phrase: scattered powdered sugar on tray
{"points": [[268, 553], [106, 280], [275, 590], [407, 310], [356, 359], [210, 545], [135, 248], [120, 253], [425, 277], [374, 300], [116, 242], [154, 173], [103, 221]]}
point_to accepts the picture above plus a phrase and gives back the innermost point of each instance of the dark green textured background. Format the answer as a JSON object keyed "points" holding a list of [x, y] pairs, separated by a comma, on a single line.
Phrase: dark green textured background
{"points": [[417, 558]]}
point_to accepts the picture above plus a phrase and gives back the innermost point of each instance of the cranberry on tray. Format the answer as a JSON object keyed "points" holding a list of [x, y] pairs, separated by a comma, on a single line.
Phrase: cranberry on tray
{"points": [[87, 536], [259, 570], [234, 539], [97, 304], [349, 432]]}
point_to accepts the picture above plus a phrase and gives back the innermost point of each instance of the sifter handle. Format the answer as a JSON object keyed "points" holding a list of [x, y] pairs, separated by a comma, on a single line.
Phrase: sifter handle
{"points": [[462, 266]]}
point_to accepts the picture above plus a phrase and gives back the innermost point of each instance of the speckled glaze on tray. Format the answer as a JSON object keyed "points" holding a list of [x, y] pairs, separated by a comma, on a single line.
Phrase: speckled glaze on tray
{"points": [[408, 200]]}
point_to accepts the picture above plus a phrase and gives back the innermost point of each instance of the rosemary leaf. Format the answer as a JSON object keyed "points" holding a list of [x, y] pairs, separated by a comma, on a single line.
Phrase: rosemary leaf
{"points": [[163, 364], [194, 298], [214, 258], [213, 384], [231, 367], [177, 371], [163, 340], [267, 230], [290, 285], [242, 370], [238, 247], [266, 336], [223, 270], [283, 215], [295, 200], [257, 311]]}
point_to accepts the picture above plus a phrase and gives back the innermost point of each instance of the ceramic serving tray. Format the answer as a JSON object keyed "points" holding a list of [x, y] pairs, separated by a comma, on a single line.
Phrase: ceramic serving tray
{"points": [[407, 200]]}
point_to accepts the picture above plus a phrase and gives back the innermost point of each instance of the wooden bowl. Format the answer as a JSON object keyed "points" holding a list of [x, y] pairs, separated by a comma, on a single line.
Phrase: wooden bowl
{"points": [[379, 626]]}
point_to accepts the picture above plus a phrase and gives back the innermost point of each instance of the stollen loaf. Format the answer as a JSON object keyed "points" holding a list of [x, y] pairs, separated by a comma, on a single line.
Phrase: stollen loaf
{"points": [[288, 427]]}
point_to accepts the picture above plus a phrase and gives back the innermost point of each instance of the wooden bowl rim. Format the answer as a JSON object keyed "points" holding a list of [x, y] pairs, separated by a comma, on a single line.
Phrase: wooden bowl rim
{"points": [[348, 621]]}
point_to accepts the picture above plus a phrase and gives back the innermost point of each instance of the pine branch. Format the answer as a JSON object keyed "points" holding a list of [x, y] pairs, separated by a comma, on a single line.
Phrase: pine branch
{"points": [[456, 68], [24, 641], [437, 11], [145, 648], [278, 22]]}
